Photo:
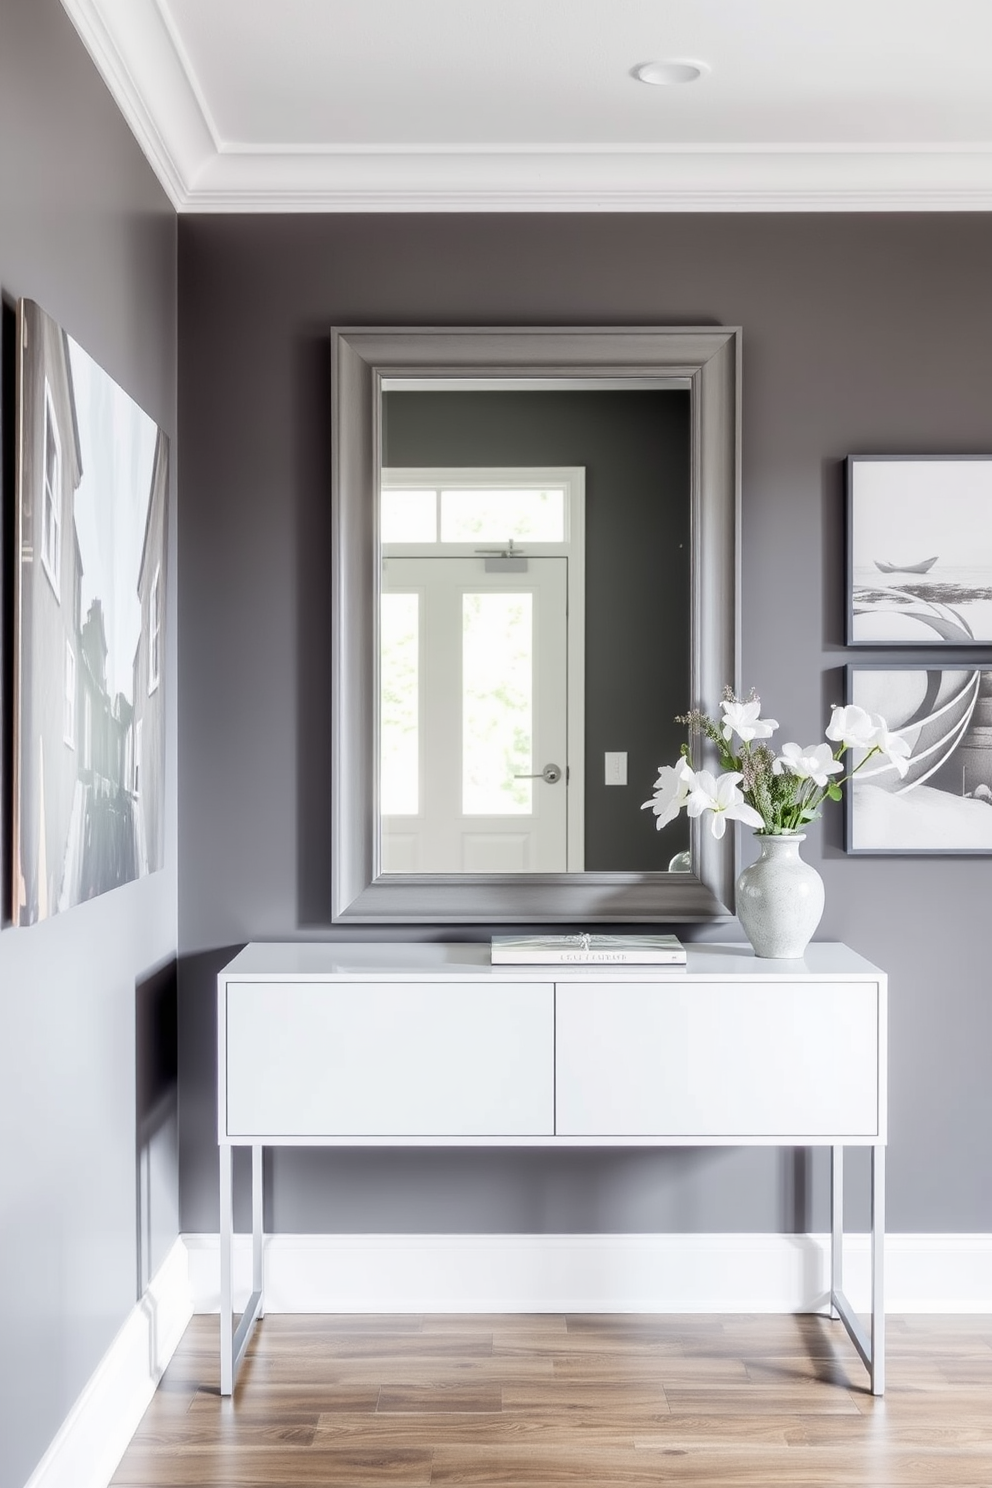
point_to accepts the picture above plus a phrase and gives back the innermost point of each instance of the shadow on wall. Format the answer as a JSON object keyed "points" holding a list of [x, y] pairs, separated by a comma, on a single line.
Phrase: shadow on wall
{"points": [[198, 1154], [156, 1063]]}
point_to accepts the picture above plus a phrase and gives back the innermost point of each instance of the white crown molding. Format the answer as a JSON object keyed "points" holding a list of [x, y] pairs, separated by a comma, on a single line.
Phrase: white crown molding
{"points": [[615, 180], [135, 50], [140, 55], [593, 1273]]}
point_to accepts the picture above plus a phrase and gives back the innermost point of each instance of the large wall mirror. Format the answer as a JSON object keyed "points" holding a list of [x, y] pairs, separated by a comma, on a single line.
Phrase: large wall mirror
{"points": [[535, 570]]}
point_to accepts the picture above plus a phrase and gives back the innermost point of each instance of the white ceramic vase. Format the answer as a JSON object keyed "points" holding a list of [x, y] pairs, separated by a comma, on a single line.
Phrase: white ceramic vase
{"points": [[780, 898]]}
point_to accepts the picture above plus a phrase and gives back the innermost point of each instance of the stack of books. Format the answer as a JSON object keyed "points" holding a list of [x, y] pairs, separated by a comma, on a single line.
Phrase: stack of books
{"points": [[588, 950]]}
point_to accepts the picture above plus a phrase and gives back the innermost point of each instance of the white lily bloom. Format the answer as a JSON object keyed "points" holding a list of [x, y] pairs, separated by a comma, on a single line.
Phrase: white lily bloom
{"points": [[851, 726], [892, 747], [742, 719], [816, 762], [723, 799], [671, 792]]}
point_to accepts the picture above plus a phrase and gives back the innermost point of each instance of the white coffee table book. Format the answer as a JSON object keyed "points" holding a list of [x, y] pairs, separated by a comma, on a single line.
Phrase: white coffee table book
{"points": [[587, 950], [379, 1044]]}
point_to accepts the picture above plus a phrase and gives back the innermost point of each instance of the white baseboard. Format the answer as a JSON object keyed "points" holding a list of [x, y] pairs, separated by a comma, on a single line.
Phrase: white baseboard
{"points": [[91, 1440], [492, 1273], [593, 1273]]}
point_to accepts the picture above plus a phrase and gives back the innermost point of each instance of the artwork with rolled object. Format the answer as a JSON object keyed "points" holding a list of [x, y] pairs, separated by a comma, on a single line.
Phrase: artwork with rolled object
{"points": [[943, 801], [933, 731]]}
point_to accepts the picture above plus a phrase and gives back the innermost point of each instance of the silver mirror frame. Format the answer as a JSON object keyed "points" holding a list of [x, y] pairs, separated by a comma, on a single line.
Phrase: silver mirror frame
{"points": [[361, 358]]}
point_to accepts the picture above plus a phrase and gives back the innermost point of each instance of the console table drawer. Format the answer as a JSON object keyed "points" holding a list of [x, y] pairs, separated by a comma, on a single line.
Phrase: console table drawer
{"points": [[380, 1059], [745, 1060]]}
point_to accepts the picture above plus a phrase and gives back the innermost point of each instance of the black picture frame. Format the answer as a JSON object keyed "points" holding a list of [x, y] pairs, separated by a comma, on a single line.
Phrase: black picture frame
{"points": [[942, 594]]}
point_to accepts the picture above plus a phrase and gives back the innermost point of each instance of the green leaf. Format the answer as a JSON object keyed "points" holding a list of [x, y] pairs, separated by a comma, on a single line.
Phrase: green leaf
{"points": [[834, 792]]}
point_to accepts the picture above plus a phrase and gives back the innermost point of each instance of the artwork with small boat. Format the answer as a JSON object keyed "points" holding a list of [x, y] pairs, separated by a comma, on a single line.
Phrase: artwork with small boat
{"points": [[942, 803], [919, 550]]}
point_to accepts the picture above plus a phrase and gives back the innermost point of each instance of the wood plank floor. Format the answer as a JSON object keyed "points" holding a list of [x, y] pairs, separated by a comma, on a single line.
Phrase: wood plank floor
{"points": [[773, 1402]]}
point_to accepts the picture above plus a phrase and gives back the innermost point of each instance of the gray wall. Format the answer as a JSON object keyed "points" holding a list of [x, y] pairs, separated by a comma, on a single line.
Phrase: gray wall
{"points": [[87, 1000], [860, 334], [634, 447]]}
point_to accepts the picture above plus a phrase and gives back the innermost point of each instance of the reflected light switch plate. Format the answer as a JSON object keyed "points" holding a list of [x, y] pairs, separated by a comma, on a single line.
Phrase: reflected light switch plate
{"points": [[616, 768]]}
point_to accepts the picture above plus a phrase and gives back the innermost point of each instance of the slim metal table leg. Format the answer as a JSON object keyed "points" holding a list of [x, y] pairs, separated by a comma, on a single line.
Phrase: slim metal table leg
{"points": [[234, 1341], [870, 1345], [836, 1226], [257, 1231], [226, 1303], [877, 1270]]}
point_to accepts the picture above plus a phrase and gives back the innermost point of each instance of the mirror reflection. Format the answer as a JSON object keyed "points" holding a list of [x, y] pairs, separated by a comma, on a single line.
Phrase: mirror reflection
{"points": [[534, 640]]}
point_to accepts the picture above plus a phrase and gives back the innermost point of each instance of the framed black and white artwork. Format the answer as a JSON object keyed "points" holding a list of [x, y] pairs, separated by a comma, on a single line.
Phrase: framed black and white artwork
{"points": [[919, 538], [89, 698], [943, 803]]}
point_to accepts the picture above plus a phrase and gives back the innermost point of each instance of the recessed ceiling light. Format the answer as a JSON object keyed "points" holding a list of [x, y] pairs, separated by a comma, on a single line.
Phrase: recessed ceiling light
{"points": [[672, 70]]}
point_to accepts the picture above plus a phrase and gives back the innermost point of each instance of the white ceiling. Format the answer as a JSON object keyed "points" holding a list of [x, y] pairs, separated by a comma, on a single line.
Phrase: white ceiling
{"points": [[530, 105]]}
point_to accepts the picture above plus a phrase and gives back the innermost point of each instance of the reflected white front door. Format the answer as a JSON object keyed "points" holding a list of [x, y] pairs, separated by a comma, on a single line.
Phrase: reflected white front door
{"points": [[474, 699]]}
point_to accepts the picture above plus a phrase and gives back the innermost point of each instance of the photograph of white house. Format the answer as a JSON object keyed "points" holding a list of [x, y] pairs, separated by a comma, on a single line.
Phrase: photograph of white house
{"points": [[490, 562], [90, 619]]}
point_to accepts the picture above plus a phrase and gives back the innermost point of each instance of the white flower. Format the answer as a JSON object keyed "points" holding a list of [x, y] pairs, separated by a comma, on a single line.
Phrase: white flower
{"points": [[671, 792], [851, 726], [891, 746], [723, 798], [742, 719], [816, 762]]}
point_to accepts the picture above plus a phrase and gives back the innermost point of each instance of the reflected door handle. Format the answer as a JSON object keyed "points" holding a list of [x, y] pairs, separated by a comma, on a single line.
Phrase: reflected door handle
{"points": [[551, 774]]}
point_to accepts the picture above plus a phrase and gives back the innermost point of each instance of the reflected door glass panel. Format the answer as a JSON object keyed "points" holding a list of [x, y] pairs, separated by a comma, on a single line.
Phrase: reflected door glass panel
{"points": [[400, 704], [495, 516], [408, 516], [474, 691], [497, 703]]}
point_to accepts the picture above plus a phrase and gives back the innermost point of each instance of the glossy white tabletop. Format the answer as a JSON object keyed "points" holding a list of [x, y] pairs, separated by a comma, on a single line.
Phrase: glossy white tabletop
{"points": [[469, 961]]}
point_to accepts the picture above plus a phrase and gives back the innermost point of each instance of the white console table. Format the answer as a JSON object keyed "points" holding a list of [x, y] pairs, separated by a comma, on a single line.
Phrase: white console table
{"points": [[429, 1045]]}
